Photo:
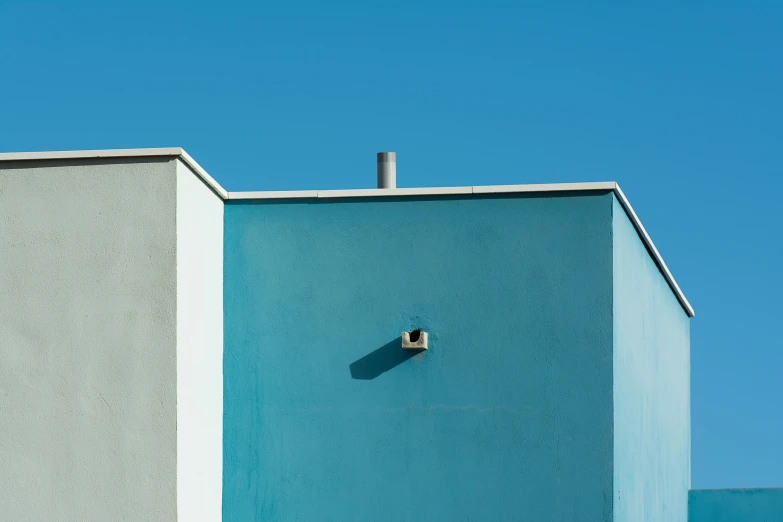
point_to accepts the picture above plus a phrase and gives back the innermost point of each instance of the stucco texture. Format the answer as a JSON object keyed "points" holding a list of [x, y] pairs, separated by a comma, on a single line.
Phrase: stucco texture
{"points": [[651, 386], [507, 416], [87, 336], [199, 349], [736, 505]]}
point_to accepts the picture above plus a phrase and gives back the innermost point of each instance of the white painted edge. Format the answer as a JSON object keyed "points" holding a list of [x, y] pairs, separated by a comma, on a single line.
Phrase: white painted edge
{"points": [[546, 187], [363, 193], [429, 191], [654, 251], [274, 194], [354, 193], [200, 172], [86, 154], [120, 153]]}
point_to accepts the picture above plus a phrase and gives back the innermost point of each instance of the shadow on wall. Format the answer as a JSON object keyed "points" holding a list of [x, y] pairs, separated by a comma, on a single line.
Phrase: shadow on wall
{"points": [[385, 358]]}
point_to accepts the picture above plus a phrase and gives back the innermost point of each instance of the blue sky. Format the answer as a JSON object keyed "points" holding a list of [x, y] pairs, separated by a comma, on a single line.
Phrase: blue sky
{"points": [[680, 103]]}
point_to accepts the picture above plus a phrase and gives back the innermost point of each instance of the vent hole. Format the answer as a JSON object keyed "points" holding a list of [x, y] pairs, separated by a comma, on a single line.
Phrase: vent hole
{"points": [[415, 335]]}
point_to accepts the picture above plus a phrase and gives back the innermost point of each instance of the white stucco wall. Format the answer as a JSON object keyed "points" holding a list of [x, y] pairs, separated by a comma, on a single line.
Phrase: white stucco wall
{"points": [[88, 361], [199, 349]]}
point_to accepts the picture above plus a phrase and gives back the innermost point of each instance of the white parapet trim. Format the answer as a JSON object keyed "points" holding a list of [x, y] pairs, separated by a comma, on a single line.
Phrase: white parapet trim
{"points": [[648, 242], [214, 185], [87, 154], [368, 193], [424, 191], [119, 153], [545, 187], [394, 192], [274, 194]]}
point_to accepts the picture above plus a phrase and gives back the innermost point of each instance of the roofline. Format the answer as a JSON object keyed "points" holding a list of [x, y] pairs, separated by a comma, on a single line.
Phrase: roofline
{"points": [[648, 242], [427, 191], [175, 152], [356, 193]]}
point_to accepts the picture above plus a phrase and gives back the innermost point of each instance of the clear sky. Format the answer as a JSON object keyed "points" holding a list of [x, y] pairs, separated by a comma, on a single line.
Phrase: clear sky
{"points": [[681, 104]]}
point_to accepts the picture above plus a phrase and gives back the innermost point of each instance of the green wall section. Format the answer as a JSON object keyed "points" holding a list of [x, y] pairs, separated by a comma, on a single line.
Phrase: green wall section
{"points": [[508, 416], [651, 386], [736, 505]]}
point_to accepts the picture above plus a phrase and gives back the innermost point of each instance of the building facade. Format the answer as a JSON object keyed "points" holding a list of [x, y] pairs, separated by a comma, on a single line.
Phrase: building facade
{"points": [[173, 351]]}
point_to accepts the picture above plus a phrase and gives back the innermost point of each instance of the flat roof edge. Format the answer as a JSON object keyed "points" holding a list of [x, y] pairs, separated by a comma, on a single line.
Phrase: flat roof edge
{"points": [[88, 154], [423, 191], [364, 193], [490, 189], [648, 243], [185, 158], [177, 152]]}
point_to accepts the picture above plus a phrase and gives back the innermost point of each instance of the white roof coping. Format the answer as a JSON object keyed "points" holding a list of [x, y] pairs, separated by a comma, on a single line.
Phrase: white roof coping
{"points": [[363, 193], [119, 153]]}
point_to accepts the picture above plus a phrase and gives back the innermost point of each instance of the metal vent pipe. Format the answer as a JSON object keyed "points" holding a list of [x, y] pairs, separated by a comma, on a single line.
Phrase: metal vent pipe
{"points": [[387, 170]]}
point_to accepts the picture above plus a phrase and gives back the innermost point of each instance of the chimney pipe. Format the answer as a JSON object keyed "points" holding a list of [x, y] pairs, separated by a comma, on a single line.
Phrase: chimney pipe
{"points": [[387, 170]]}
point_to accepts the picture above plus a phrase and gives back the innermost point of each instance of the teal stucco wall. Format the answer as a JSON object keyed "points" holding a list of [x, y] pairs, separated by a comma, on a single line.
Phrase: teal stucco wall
{"points": [[736, 505], [651, 386], [508, 416]]}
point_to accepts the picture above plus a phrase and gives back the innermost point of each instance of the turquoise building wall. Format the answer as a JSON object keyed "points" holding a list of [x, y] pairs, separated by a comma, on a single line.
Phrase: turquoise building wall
{"points": [[651, 386], [507, 416], [736, 505]]}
